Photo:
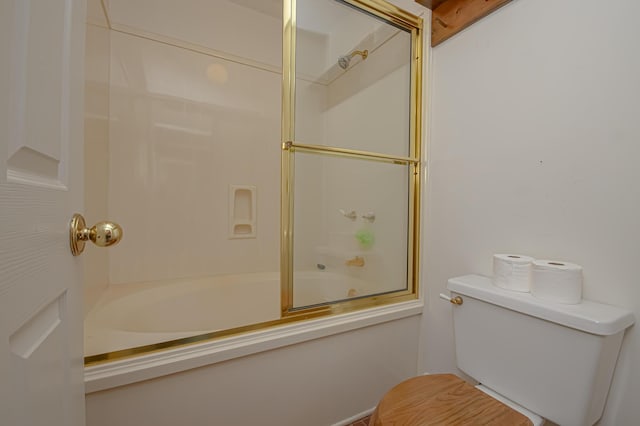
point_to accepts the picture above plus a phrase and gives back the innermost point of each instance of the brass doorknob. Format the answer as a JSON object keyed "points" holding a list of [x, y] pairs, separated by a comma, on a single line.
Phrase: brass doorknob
{"points": [[102, 234]]}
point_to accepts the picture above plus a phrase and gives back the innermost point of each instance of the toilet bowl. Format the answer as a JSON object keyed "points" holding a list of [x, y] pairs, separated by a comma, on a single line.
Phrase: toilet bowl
{"points": [[556, 360]]}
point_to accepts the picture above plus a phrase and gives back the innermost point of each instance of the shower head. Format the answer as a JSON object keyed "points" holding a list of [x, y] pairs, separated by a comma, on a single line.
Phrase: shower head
{"points": [[344, 60]]}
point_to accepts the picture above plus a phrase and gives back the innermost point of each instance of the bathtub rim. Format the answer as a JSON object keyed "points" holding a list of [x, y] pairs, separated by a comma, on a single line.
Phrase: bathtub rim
{"points": [[111, 374]]}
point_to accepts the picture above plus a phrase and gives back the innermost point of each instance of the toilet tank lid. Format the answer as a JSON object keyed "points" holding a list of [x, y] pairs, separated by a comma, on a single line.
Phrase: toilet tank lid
{"points": [[588, 316]]}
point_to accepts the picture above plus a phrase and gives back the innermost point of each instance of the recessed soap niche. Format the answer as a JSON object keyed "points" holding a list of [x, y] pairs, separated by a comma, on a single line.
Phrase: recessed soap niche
{"points": [[242, 211]]}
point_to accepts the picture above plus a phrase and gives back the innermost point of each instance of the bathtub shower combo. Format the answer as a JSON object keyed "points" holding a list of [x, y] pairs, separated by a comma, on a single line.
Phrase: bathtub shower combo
{"points": [[263, 161]]}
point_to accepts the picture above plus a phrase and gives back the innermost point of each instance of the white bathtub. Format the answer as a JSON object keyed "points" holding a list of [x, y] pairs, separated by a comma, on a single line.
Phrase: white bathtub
{"points": [[130, 315]]}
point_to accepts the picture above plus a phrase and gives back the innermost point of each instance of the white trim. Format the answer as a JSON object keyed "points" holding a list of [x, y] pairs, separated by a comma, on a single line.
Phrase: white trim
{"points": [[159, 38], [105, 10], [97, 23], [118, 373]]}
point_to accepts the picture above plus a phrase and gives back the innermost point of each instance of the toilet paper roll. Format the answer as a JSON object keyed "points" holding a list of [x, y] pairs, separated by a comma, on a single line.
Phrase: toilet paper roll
{"points": [[555, 281], [512, 272]]}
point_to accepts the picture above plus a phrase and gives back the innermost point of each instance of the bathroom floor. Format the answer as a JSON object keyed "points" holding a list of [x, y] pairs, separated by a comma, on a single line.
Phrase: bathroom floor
{"points": [[362, 422]]}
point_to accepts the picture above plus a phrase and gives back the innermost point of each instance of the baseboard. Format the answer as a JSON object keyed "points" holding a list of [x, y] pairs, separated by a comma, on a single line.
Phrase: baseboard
{"points": [[353, 418]]}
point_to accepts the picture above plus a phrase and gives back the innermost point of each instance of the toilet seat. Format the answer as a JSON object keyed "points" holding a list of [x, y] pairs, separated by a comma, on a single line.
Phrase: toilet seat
{"points": [[442, 399]]}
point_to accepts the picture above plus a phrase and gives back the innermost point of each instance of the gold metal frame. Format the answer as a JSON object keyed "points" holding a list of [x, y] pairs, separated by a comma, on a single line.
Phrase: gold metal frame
{"points": [[345, 152], [287, 163], [401, 19], [414, 25]]}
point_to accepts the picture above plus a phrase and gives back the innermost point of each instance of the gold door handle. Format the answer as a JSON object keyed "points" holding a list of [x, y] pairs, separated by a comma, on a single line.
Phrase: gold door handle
{"points": [[102, 234]]}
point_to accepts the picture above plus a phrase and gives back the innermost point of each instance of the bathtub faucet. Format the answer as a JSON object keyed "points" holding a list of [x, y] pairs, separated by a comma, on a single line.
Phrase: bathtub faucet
{"points": [[356, 261]]}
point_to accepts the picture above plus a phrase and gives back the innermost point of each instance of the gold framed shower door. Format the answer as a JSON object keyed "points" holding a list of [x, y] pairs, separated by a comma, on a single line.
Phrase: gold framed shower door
{"points": [[413, 25]]}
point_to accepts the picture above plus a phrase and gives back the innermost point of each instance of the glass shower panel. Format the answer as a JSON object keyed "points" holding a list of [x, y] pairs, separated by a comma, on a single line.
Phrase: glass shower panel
{"points": [[350, 228], [353, 79], [192, 138]]}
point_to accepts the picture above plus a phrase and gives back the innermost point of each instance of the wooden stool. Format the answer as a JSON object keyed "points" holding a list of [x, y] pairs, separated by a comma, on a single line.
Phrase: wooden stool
{"points": [[442, 399]]}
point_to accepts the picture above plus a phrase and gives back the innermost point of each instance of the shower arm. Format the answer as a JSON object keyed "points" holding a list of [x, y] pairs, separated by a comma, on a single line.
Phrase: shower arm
{"points": [[363, 53]]}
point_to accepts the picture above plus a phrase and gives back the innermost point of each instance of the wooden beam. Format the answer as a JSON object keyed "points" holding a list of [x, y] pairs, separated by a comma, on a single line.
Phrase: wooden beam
{"points": [[452, 16]]}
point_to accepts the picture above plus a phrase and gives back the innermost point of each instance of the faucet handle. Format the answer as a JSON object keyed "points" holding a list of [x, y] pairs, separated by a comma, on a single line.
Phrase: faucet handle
{"points": [[369, 217], [356, 261], [351, 215]]}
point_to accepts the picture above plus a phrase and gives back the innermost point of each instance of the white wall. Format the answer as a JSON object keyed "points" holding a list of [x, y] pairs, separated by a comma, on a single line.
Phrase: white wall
{"points": [[534, 150]]}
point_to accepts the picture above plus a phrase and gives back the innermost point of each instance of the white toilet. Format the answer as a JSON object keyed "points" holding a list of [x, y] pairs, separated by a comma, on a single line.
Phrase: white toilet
{"points": [[544, 360]]}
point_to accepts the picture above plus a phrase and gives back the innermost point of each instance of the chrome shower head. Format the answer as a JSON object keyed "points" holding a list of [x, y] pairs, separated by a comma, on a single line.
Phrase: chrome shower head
{"points": [[344, 60]]}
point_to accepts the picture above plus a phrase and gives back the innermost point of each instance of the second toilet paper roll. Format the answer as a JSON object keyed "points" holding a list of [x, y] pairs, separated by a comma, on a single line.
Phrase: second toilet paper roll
{"points": [[555, 281], [512, 271]]}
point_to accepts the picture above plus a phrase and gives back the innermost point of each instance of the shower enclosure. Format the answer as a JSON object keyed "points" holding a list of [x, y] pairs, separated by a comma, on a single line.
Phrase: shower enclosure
{"points": [[263, 159]]}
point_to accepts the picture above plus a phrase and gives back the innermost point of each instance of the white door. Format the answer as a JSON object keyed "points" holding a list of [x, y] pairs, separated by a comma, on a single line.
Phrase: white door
{"points": [[41, 90]]}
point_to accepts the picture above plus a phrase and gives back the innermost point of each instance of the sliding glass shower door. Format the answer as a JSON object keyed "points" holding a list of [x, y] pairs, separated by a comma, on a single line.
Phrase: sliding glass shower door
{"points": [[352, 156]]}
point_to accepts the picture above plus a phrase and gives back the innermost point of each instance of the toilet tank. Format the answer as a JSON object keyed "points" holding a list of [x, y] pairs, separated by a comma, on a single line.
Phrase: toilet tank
{"points": [[556, 360]]}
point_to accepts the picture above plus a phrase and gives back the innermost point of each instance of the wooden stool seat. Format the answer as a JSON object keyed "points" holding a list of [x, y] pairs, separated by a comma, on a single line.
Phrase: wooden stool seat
{"points": [[442, 399]]}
